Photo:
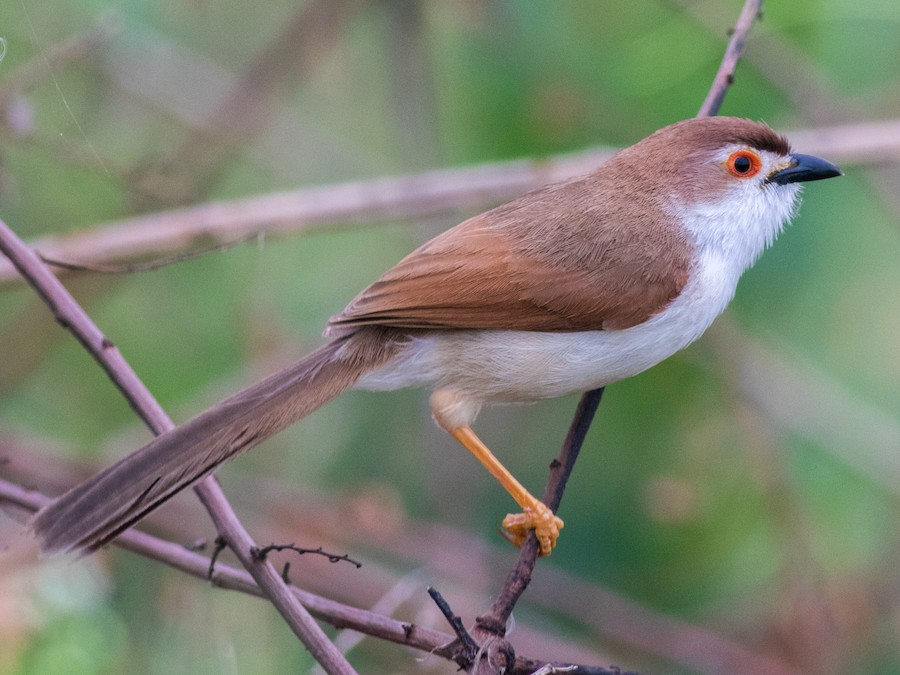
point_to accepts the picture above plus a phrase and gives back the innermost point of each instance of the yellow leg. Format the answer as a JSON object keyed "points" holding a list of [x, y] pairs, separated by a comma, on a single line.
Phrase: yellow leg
{"points": [[536, 515]]}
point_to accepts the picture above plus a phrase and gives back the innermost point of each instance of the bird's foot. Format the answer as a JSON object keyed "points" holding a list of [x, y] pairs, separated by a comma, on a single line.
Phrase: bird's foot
{"points": [[537, 517]]}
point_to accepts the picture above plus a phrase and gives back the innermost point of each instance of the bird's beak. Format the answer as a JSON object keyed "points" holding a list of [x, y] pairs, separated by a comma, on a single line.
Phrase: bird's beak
{"points": [[804, 168]]}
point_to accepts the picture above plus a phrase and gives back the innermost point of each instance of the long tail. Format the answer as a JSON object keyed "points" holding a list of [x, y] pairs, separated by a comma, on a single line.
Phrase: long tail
{"points": [[96, 511]]}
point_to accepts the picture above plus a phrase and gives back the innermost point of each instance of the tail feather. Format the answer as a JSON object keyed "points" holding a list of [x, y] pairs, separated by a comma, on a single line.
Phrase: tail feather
{"points": [[96, 511]]}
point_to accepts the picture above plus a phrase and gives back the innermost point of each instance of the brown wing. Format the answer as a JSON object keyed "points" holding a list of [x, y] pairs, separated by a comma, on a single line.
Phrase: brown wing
{"points": [[552, 260]]}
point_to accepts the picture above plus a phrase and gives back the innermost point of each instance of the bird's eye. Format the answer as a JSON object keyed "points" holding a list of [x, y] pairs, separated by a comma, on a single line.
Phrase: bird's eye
{"points": [[744, 163]]}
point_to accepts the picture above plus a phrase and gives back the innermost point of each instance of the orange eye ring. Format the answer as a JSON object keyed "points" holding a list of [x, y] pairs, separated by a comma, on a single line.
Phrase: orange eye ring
{"points": [[744, 163]]}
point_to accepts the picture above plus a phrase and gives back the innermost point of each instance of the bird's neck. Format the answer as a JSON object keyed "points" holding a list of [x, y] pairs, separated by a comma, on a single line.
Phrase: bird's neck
{"points": [[742, 227]]}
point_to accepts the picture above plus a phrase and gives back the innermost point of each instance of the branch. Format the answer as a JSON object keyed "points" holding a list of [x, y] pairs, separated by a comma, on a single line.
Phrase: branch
{"points": [[382, 200], [467, 647], [72, 317], [493, 622], [336, 613], [447, 553], [231, 578], [386, 199], [733, 52]]}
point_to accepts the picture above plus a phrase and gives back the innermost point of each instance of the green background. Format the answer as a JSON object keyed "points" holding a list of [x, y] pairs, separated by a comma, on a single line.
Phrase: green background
{"points": [[746, 488]]}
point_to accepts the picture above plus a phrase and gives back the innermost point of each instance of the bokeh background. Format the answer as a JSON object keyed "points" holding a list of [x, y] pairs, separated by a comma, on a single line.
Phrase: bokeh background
{"points": [[734, 509]]}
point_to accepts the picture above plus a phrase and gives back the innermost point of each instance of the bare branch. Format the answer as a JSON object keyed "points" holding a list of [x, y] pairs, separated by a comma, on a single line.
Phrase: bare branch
{"points": [[467, 648], [396, 198], [331, 557], [384, 199], [494, 621], [226, 576], [371, 203], [733, 52], [338, 614], [146, 265], [446, 552], [72, 317]]}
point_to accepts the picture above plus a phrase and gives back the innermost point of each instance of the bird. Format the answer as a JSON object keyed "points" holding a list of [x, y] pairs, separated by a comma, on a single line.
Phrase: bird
{"points": [[565, 289]]}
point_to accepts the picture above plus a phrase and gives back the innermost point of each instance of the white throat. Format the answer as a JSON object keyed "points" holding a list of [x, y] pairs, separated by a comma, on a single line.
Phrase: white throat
{"points": [[743, 224]]}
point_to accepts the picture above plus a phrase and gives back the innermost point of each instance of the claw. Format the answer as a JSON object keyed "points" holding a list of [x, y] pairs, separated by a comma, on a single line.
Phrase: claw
{"points": [[539, 518]]}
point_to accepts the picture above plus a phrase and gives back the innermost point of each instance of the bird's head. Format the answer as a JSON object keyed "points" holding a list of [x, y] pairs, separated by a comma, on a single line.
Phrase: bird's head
{"points": [[733, 183]]}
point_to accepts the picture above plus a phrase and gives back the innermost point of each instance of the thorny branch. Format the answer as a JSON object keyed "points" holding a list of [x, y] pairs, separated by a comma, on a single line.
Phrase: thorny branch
{"points": [[261, 553]]}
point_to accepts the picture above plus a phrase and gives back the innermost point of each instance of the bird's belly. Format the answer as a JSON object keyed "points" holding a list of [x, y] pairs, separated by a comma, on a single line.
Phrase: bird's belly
{"points": [[521, 366], [532, 366]]}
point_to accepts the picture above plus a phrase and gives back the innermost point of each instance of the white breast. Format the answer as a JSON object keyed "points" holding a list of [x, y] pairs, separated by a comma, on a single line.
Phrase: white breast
{"points": [[522, 366]]}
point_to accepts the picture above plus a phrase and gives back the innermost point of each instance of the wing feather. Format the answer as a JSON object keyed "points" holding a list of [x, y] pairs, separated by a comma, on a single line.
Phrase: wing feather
{"points": [[550, 261]]}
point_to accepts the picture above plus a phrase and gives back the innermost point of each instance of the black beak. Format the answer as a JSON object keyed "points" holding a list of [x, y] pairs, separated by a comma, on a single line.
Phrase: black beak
{"points": [[804, 168]]}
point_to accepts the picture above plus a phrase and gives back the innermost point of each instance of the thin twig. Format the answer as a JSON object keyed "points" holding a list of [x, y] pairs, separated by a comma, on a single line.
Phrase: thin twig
{"points": [[231, 578], [219, 545], [261, 553], [581, 422], [71, 316], [147, 265], [733, 52], [468, 647], [445, 552]]}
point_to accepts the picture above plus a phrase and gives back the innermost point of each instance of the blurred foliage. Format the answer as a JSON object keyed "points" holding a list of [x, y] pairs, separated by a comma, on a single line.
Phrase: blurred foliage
{"points": [[688, 498]]}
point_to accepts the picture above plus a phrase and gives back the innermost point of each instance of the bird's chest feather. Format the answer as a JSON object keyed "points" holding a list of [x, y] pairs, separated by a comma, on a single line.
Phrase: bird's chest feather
{"points": [[522, 366]]}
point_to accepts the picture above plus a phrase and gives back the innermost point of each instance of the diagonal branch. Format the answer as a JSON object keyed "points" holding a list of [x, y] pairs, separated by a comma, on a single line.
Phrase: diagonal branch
{"points": [[72, 317], [338, 614], [494, 621], [733, 52], [226, 576]]}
